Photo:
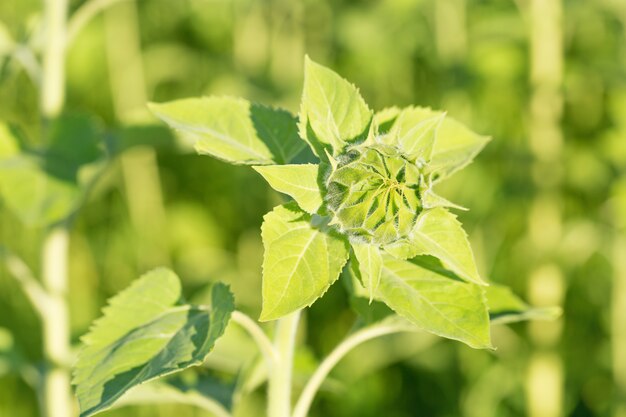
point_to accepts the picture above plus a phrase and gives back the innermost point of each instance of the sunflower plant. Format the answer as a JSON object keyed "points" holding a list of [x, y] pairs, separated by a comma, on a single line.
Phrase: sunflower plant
{"points": [[365, 210]]}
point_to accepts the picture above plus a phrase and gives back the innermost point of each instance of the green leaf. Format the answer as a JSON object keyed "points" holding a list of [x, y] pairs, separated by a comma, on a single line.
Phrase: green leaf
{"points": [[206, 393], [435, 302], [234, 130], [385, 118], [297, 181], [506, 307], [456, 147], [333, 113], [439, 233], [34, 196], [415, 132], [146, 332], [370, 263], [46, 186], [303, 257]]}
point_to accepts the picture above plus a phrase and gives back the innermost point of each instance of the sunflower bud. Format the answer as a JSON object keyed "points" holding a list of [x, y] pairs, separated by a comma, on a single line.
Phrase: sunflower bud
{"points": [[374, 194]]}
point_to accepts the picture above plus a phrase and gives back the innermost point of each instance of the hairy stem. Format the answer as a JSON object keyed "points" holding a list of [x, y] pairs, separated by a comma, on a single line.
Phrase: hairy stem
{"points": [[261, 339], [279, 390], [315, 382]]}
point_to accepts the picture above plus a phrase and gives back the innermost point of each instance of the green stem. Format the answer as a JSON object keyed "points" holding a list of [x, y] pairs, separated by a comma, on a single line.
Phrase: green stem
{"points": [[306, 398], [55, 322], [279, 390]]}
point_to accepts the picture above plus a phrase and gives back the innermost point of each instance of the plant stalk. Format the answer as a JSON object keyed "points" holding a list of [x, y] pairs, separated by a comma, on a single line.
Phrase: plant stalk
{"points": [[140, 170], [53, 77], [279, 390], [55, 321], [546, 284], [618, 319]]}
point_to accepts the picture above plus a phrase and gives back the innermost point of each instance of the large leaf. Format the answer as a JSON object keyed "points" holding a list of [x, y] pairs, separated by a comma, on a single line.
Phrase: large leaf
{"points": [[332, 113], [297, 181], [206, 393], [440, 234], [506, 307], [146, 332], [435, 301], [369, 310], [456, 146], [48, 185], [234, 130], [303, 257]]}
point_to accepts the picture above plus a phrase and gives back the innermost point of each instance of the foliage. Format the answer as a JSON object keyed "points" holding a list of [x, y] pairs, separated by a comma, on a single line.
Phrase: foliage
{"points": [[371, 190], [473, 59]]}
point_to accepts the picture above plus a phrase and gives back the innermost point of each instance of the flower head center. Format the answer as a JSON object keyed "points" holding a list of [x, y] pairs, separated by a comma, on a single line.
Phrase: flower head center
{"points": [[373, 194]]}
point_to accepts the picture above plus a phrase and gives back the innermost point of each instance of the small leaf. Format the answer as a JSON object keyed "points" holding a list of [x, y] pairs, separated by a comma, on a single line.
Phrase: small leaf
{"points": [[301, 260], [333, 113], [146, 333], [506, 307], [415, 132], [370, 265], [385, 118], [439, 233], [456, 147], [297, 181], [435, 302], [432, 200], [233, 130]]}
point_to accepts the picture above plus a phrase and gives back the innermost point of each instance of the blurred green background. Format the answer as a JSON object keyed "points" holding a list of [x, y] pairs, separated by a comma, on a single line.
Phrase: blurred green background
{"points": [[545, 78]]}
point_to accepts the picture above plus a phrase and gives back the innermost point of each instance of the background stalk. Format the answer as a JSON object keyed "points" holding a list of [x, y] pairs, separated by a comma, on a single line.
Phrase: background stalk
{"points": [[140, 171], [56, 384], [618, 319], [280, 378], [56, 396], [546, 284], [53, 83]]}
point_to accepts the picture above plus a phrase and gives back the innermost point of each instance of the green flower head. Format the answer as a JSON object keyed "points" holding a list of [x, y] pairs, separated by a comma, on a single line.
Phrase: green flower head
{"points": [[368, 198], [373, 194]]}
